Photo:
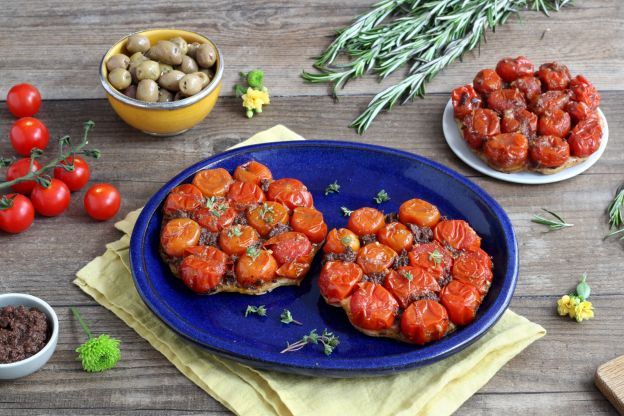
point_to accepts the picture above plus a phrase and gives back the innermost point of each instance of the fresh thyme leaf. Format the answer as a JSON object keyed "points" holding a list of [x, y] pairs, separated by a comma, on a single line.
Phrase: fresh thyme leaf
{"points": [[327, 339], [253, 252], [258, 310], [216, 210], [234, 231], [435, 257], [345, 240], [287, 318], [556, 224], [264, 211], [408, 275], [332, 188], [346, 211], [382, 196]]}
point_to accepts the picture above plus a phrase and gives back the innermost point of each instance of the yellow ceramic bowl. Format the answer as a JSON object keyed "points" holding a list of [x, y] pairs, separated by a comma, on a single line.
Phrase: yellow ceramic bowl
{"points": [[170, 118]]}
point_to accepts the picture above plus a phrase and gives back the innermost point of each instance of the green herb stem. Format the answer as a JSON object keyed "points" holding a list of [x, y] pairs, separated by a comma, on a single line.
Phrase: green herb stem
{"points": [[84, 326]]}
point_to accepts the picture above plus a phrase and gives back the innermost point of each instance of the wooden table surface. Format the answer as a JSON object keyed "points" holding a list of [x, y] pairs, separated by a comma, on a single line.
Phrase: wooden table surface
{"points": [[58, 45]]}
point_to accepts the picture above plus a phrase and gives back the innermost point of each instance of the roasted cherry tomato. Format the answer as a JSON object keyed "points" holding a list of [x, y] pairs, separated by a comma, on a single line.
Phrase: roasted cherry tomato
{"points": [[183, 198], [511, 69], [28, 133], [102, 201], [339, 239], [50, 201], [549, 151], [255, 270], [338, 279], [23, 100], [409, 283], [486, 81], [396, 236], [419, 212], [365, 221], [78, 175], [554, 76], [235, 239], [290, 247], [433, 258], [528, 85], [215, 214], [507, 152], [583, 91], [578, 111], [519, 121], [473, 269], [465, 100], [375, 258], [549, 101], [424, 321], [457, 234], [179, 234], [506, 99], [310, 222], [252, 171], [293, 270], [213, 182], [266, 216], [556, 123], [203, 268], [20, 168], [290, 192], [245, 194], [461, 301], [16, 213], [372, 307], [479, 125], [585, 137]]}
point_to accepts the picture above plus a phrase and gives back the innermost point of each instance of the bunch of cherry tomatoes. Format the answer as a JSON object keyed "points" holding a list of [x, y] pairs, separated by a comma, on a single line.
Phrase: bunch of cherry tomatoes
{"points": [[17, 210]]}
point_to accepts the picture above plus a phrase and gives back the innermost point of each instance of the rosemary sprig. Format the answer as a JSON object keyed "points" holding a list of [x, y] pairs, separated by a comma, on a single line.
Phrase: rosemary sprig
{"points": [[327, 339], [556, 224], [616, 216]]}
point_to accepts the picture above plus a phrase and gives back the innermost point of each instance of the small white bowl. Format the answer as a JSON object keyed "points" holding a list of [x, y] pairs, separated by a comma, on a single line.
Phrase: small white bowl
{"points": [[31, 364]]}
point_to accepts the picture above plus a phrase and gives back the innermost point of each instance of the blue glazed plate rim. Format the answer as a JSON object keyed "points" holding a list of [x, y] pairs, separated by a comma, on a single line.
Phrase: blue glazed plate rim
{"points": [[343, 367]]}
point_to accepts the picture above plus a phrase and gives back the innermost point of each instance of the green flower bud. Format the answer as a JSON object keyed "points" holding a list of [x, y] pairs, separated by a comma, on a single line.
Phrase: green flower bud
{"points": [[582, 289], [255, 78], [249, 113]]}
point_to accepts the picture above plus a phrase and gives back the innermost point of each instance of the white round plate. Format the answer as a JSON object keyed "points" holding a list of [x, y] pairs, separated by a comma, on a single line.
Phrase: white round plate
{"points": [[460, 148]]}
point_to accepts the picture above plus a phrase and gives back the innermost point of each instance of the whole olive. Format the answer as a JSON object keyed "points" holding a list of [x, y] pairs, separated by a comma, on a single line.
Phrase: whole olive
{"points": [[166, 52], [130, 91], [206, 55], [137, 43], [192, 49], [190, 84], [171, 80], [120, 78], [188, 65], [182, 44], [148, 70], [178, 96], [205, 79], [137, 57], [147, 90], [164, 96], [208, 72], [164, 68], [117, 61], [132, 69]]}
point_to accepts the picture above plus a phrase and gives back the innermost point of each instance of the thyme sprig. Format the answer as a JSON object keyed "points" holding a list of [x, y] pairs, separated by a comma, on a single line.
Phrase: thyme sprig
{"points": [[258, 310], [332, 188], [327, 339], [381, 197], [556, 224], [435, 257], [346, 211], [287, 318]]}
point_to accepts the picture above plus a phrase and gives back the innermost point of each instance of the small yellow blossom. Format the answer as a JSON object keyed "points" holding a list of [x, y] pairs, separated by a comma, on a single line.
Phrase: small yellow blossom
{"points": [[583, 311], [566, 306], [253, 100]]}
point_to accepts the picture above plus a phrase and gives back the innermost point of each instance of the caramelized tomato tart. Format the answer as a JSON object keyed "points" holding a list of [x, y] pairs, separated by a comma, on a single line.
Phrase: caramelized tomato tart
{"points": [[413, 276], [518, 117], [244, 232]]}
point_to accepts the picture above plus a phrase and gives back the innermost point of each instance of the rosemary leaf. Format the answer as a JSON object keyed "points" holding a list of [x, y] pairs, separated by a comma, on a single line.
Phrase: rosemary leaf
{"points": [[556, 224]]}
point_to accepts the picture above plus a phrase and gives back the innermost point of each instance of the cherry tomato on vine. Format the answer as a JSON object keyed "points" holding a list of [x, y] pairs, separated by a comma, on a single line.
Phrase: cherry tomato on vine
{"points": [[50, 201], [23, 100], [102, 201], [28, 133], [16, 213], [18, 169], [77, 178]]}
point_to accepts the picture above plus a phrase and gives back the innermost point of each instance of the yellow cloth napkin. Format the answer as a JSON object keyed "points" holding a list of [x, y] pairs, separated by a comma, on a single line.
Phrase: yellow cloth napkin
{"points": [[438, 389]]}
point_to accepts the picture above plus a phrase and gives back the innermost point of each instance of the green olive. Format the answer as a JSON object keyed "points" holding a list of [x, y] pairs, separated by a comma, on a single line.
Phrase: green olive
{"points": [[188, 65], [192, 49], [178, 96], [130, 91], [166, 52], [205, 79], [132, 69], [190, 84], [206, 55], [118, 61], [164, 68], [164, 96], [137, 57], [147, 90], [171, 80], [148, 70], [137, 43], [182, 44], [120, 78], [208, 72]]}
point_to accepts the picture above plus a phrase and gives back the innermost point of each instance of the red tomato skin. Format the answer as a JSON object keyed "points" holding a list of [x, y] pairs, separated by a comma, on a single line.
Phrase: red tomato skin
{"points": [[473, 269], [23, 100], [511, 69], [529, 85], [28, 133], [203, 268], [76, 179], [338, 280], [185, 197], [554, 76], [465, 99], [461, 301], [102, 201], [405, 290], [507, 151], [290, 192], [18, 169], [424, 321], [520, 121], [506, 99], [556, 123], [457, 234], [549, 101], [583, 91], [372, 307], [585, 137], [549, 151], [51, 201], [289, 247], [486, 81], [479, 125], [19, 217]]}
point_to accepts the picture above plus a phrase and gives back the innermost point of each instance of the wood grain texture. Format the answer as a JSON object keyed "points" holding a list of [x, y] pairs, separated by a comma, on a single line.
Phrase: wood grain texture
{"points": [[553, 376], [610, 381]]}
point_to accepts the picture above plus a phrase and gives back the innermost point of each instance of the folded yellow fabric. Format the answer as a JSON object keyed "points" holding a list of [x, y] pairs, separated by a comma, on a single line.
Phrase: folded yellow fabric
{"points": [[438, 389]]}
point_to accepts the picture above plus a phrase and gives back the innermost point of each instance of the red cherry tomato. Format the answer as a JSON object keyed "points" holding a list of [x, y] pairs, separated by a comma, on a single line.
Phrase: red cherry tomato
{"points": [[290, 192], [549, 151], [339, 239], [419, 212], [511, 69], [214, 215], [267, 216], [461, 301], [520, 121], [78, 177], [372, 307], [213, 182], [549, 101], [506, 99], [16, 213], [578, 111], [585, 137], [474, 269], [310, 222], [203, 268], [375, 258], [424, 321], [486, 81], [433, 258], [28, 133], [183, 198], [583, 91], [102, 201], [50, 201], [338, 279], [457, 234], [245, 194], [253, 171], [529, 85], [18, 169], [507, 152], [396, 236], [364, 221], [556, 123], [255, 270], [465, 100], [480, 125], [178, 235], [409, 283], [23, 100], [554, 76], [289, 247]]}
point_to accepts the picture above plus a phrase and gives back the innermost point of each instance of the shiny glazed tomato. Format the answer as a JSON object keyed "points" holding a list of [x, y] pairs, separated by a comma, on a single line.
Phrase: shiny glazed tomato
{"points": [[16, 213], [457, 234], [419, 212], [339, 239], [179, 234], [424, 321], [461, 301], [433, 258], [293, 270], [528, 85], [215, 214], [506, 99], [290, 192], [578, 111], [554, 76], [185, 198], [511, 69], [289, 247], [375, 258], [235, 239], [266, 216], [549, 102], [310, 222], [507, 152], [479, 125], [486, 81], [465, 99], [408, 283], [21, 168], [472, 269], [244, 195], [213, 182], [365, 221], [585, 137], [251, 271], [101, 201], [372, 307], [583, 91], [396, 236], [338, 279], [51, 201], [520, 121], [556, 123], [252, 171], [23, 100], [549, 151], [203, 268], [28, 133], [78, 175]]}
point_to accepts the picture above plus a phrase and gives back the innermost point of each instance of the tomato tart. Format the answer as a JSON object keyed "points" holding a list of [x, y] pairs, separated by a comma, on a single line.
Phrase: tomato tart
{"points": [[243, 232], [518, 118], [413, 276]]}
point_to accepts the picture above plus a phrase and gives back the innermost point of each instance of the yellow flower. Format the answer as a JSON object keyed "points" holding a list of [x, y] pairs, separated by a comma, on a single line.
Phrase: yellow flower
{"points": [[253, 100], [566, 306], [583, 311]]}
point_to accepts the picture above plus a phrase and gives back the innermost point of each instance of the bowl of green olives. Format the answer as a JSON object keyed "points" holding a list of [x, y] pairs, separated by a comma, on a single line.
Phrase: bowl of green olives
{"points": [[162, 81]]}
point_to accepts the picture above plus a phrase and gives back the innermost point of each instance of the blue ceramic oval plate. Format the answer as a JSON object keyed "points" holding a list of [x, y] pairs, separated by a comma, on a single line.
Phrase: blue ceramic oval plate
{"points": [[217, 322]]}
